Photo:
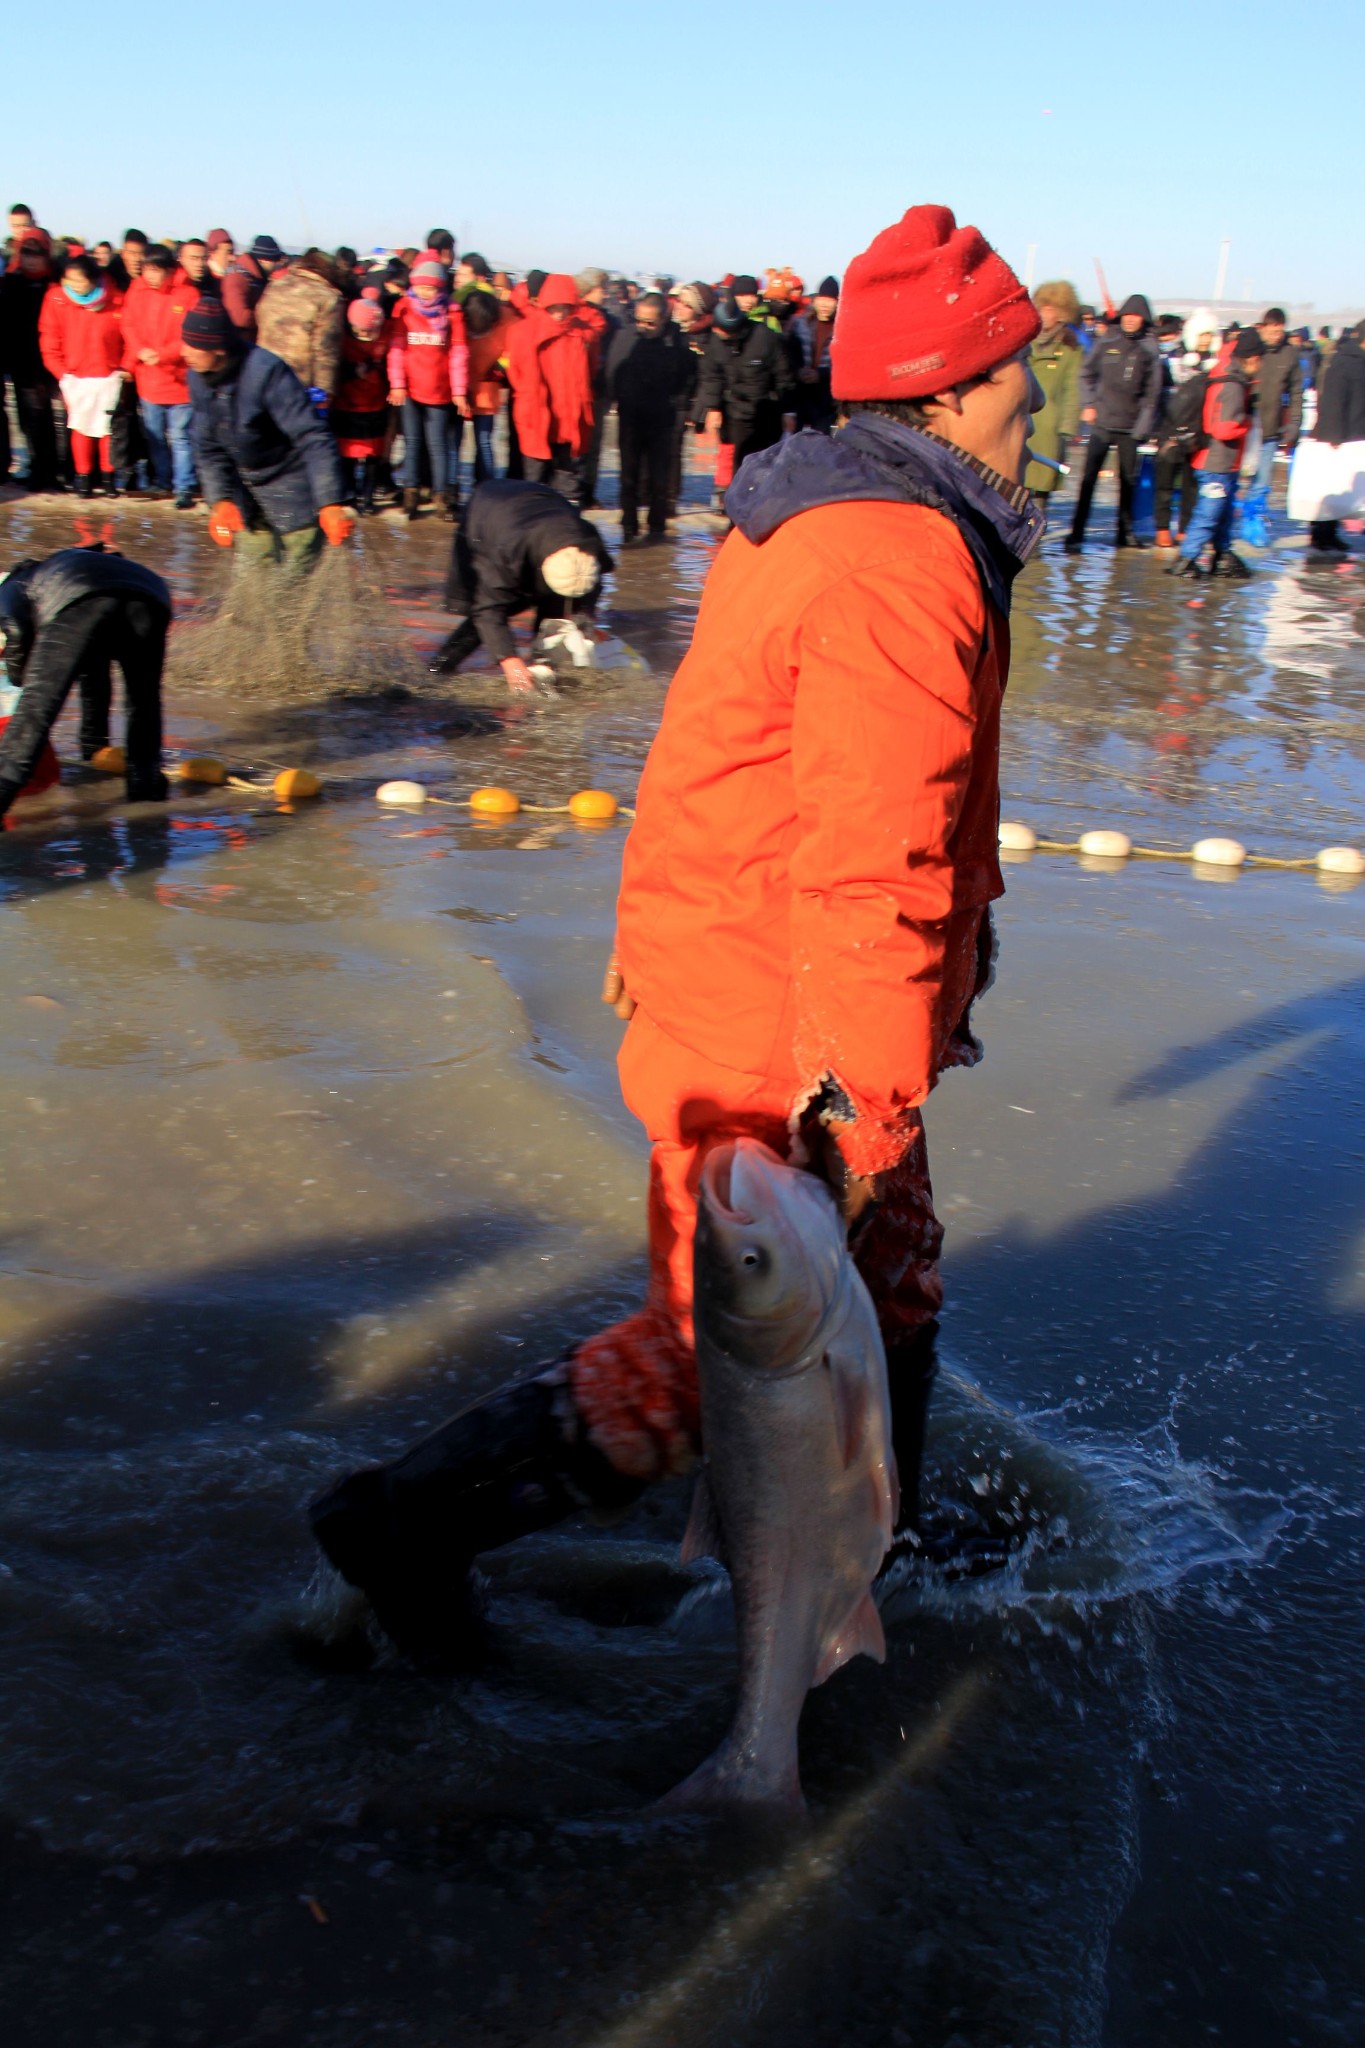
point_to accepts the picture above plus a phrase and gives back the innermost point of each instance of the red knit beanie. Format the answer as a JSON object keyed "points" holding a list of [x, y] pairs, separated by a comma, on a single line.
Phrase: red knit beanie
{"points": [[927, 306]]}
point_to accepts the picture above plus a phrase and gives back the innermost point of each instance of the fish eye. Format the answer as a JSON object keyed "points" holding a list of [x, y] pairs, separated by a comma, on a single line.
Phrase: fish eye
{"points": [[750, 1257]]}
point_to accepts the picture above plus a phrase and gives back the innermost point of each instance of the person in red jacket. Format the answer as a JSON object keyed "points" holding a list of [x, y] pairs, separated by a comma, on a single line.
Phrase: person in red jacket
{"points": [[82, 344], [1229, 408], [153, 314], [360, 416], [551, 365], [428, 371], [804, 918]]}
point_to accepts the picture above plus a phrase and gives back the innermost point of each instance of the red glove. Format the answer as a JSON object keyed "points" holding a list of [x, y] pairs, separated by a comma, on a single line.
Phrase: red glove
{"points": [[337, 522], [224, 520]]}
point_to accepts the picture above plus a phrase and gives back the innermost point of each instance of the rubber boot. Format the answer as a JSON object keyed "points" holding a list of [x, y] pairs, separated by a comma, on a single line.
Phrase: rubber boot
{"points": [[1185, 565], [450, 507], [411, 500], [955, 1541], [407, 1533], [1230, 563]]}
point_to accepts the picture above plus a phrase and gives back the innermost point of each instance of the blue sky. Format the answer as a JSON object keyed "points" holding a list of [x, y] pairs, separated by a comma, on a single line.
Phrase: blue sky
{"points": [[714, 135]]}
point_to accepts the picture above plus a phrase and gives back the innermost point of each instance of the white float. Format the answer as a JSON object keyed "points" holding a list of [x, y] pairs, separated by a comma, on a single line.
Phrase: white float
{"points": [[1341, 860], [1017, 838], [1106, 845], [400, 793], [1219, 853]]}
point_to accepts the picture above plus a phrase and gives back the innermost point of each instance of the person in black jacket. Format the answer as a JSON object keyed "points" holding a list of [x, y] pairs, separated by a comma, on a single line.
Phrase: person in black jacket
{"points": [[267, 464], [1121, 386], [64, 620], [22, 291], [518, 546], [746, 391], [649, 365], [1341, 418]]}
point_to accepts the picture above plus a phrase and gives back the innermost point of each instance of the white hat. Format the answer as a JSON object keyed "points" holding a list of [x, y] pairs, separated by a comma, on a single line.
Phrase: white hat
{"points": [[1202, 321], [570, 572]]}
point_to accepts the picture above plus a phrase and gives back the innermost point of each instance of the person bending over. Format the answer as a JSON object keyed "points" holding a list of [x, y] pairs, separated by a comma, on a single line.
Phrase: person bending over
{"points": [[63, 620], [519, 547]]}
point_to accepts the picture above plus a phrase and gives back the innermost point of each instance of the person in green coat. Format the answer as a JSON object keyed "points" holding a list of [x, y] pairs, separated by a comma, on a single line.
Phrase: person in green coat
{"points": [[1055, 360]]}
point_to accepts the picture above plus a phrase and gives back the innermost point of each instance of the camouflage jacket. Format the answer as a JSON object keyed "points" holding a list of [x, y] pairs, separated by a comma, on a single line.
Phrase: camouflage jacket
{"points": [[301, 318]]}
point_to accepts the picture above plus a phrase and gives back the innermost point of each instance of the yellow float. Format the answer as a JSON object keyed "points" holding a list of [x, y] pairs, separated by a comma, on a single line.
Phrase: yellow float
{"points": [[593, 805], [292, 782], [494, 803], [202, 768]]}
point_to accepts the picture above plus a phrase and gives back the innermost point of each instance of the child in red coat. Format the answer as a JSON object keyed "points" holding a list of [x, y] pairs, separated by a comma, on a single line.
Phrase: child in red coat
{"points": [[81, 339], [360, 415], [428, 371]]}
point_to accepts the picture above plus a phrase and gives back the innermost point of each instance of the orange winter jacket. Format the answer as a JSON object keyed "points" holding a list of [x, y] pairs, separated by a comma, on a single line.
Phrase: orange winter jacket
{"points": [[805, 885]]}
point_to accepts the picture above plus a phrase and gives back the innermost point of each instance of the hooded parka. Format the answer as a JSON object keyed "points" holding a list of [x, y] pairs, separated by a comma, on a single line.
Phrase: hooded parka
{"points": [[551, 365], [1122, 377], [805, 893], [749, 381]]}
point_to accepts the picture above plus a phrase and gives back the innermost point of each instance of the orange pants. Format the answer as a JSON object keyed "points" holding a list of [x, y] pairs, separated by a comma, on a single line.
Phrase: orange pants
{"points": [[635, 1384]]}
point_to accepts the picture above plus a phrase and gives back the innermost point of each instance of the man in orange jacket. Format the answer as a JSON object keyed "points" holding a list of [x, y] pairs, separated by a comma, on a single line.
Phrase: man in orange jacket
{"points": [[804, 915]]}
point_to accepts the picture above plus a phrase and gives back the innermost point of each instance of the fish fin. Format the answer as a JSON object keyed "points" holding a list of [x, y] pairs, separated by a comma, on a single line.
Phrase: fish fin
{"points": [[703, 1536], [860, 1635], [893, 1478], [850, 1406], [727, 1784]]}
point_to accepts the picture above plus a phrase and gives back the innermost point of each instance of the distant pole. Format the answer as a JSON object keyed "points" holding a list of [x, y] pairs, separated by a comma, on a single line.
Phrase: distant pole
{"points": [[1028, 267], [1224, 252]]}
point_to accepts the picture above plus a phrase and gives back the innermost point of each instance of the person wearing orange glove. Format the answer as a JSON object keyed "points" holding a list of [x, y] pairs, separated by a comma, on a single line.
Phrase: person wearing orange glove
{"points": [[804, 917], [268, 465]]}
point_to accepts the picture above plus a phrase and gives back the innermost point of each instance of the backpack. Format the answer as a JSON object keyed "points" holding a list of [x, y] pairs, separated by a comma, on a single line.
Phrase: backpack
{"points": [[1183, 427]]}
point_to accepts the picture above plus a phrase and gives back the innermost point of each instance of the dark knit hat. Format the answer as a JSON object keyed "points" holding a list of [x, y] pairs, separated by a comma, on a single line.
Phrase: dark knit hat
{"points": [[207, 326], [744, 283], [828, 288], [927, 305], [730, 318], [1247, 344], [267, 250]]}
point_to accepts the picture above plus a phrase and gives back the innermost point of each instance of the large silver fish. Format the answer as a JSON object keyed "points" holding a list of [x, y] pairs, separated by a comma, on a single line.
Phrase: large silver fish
{"points": [[797, 1493]]}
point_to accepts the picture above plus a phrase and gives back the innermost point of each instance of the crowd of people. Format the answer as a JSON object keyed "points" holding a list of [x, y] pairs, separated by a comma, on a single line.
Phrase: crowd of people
{"points": [[417, 343], [420, 343]]}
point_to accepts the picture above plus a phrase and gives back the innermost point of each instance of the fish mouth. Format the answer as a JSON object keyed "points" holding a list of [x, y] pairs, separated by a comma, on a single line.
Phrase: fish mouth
{"points": [[735, 1180]]}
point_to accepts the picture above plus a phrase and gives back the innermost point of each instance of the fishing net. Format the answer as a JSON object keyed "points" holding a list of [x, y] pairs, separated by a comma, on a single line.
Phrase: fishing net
{"points": [[290, 636]]}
